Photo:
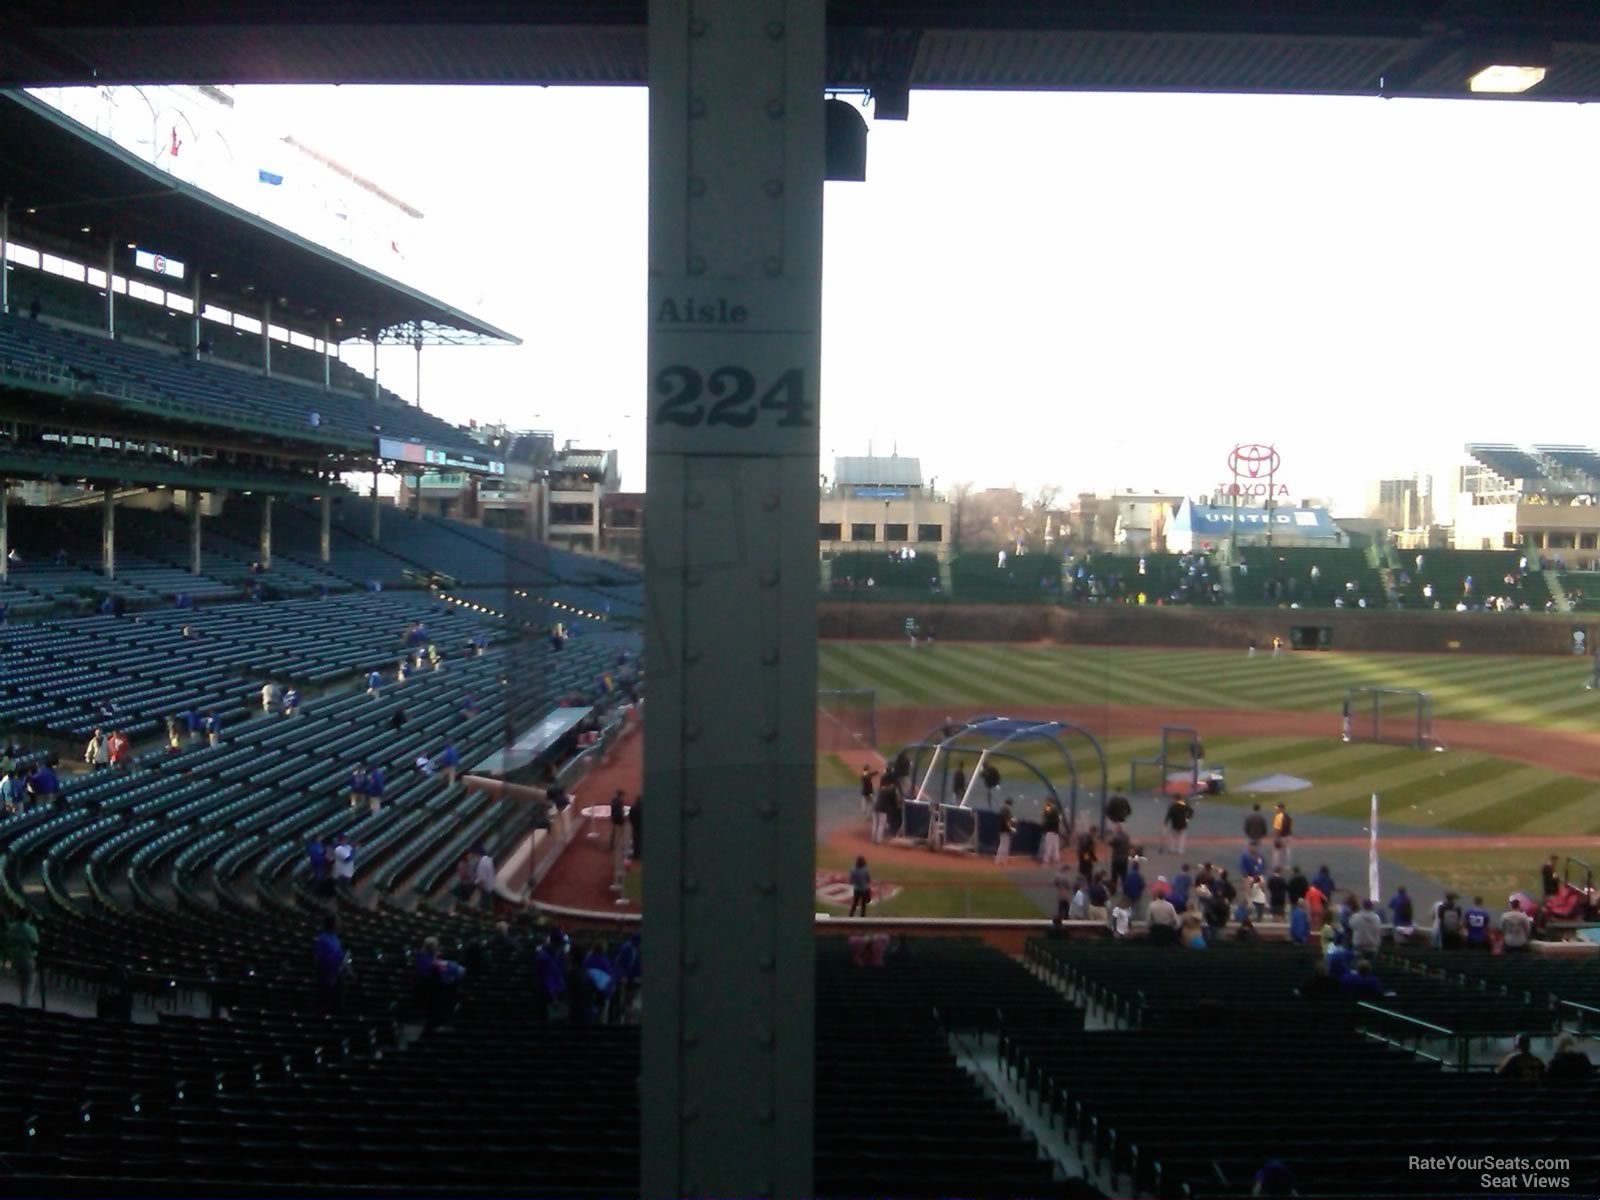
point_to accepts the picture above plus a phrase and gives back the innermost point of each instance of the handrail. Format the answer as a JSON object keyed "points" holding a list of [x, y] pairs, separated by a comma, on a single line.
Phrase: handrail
{"points": [[1421, 1028], [1400, 1016], [1585, 1010]]}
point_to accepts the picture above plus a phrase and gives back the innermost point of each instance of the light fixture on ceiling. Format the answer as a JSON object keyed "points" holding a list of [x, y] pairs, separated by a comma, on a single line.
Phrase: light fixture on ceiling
{"points": [[1505, 79], [84, 229], [131, 246]]}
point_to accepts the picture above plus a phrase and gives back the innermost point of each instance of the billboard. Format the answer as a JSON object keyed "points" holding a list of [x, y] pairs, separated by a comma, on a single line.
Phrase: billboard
{"points": [[159, 264]]}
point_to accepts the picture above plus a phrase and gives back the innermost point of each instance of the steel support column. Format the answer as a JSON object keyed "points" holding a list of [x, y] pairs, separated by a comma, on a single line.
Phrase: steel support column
{"points": [[736, 169], [5, 527], [325, 536], [266, 337], [266, 533], [194, 324], [108, 533], [194, 532], [5, 261], [327, 356], [111, 291], [377, 513]]}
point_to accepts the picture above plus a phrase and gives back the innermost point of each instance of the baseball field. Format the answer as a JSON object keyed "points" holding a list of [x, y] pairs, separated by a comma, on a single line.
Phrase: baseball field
{"points": [[1514, 775]]}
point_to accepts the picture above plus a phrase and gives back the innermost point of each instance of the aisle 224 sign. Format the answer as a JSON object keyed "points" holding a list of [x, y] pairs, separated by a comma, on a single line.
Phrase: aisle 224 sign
{"points": [[729, 374]]}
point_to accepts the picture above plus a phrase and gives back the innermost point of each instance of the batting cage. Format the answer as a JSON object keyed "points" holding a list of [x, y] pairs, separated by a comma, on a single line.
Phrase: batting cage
{"points": [[847, 721], [1175, 769], [962, 773], [1398, 716]]}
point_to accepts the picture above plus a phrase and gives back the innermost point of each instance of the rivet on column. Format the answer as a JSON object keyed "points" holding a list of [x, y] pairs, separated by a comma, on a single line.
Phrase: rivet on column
{"points": [[697, 187], [774, 30], [772, 265], [697, 264], [773, 108], [773, 188]]}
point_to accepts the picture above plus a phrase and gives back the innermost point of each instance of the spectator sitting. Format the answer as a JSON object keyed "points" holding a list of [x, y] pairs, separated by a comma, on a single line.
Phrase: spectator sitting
{"points": [[1359, 983], [1522, 1063], [1273, 1179], [1568, 1064], [1247, 930], [1321, 985], [1192, 935]]}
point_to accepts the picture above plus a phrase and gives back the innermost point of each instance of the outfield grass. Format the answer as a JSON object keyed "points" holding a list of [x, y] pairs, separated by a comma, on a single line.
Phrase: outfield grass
{"points": [[1546, 692]]}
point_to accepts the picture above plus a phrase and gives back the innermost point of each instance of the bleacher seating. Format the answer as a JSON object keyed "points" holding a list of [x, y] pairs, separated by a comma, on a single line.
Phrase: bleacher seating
{"points": [[1158, 578], [1448, 572], [980, 578], [1574, 460], [1508, 462], [1283, 576]]}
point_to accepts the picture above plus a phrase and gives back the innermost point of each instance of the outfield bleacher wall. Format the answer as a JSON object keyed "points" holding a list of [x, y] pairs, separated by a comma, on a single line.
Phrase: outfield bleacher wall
{"points": [[1133, 625]]}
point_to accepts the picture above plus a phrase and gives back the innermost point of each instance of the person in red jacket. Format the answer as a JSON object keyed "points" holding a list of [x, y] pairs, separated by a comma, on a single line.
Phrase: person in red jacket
{"points": [[117, 748]]}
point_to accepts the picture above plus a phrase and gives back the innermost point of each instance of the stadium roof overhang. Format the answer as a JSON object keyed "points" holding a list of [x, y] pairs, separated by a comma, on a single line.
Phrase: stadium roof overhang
{"points": [[1356, 47], [76, 188]]}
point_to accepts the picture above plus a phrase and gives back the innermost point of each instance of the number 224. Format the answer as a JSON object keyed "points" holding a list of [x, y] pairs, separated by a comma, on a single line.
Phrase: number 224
{"points": [[732, 390]]}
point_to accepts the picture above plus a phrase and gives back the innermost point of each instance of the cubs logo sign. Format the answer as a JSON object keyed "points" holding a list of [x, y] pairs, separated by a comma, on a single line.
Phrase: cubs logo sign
{"points": [[833, 889]]}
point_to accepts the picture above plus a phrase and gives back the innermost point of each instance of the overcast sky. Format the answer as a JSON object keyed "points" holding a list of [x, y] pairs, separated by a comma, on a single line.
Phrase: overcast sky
{"points": [[1092, 291]]}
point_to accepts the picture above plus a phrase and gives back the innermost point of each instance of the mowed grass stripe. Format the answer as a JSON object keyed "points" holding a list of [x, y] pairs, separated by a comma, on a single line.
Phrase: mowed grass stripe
{"points": [[894, 687], [1520, 806], [1396, 799]]}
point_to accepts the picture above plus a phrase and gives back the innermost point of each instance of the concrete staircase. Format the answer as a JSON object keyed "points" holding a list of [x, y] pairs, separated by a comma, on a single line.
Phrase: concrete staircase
{"points": [[1552, 580]]}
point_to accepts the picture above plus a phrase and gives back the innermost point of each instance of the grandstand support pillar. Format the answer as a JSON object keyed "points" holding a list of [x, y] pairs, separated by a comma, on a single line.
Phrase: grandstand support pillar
{"points": [[266, 337], [108, 533], [194, 322], [325, 536], [376, 391], [377, 513], [327, 356], [194, 532], [5, 523], [735, 257], [111, 291], [5, 279], [266, 533]]}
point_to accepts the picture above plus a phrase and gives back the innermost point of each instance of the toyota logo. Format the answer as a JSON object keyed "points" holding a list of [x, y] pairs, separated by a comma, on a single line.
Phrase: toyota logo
{"points": [[1253, 460]]}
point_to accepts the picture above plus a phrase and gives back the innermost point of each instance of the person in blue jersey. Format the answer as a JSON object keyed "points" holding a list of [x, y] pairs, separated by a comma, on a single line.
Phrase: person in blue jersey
{"points": [[374, 787], [1179, 888], [291, 702], [1476, 922], [1299, 924], [43, 784], [447, 762], [191, 723], [403, 671], [213, 728], [1401, 914], [358, 786], [374, 683], [328, 961], [1251, 863]]}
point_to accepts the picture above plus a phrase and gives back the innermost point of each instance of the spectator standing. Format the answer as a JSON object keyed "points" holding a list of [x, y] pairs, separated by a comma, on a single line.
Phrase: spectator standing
{"points": [[1251, 863], [117, 749], [960, 782], [1366, 930], [860, 886], [1255, 827], [13, 790], [484, 878], [374, 683], [22, 948], [1299, 924], [1133, 885], [1008, 823], [1258, 898], [880, 813], [270, 696], [1516, 928], [636, 823], [1099, 898], [1447, 922], [95, 753], [867, 787], [1400, 914], [448, 761], [1277, 893], [1476, 922], [1162, 920], [43, 785], [1282, 836], [619, 819], [1316, 905], [374, 788], [1121, 918], [317, 859], [1179, 893], [1065, 885], [344, 864], [174, 734], [358, 786], [291, 702], [213, 728], [328, 960], [1324, 881], [1177, 823], [1298, 885]]}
